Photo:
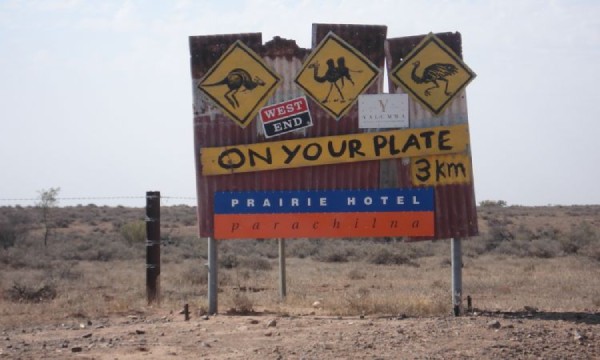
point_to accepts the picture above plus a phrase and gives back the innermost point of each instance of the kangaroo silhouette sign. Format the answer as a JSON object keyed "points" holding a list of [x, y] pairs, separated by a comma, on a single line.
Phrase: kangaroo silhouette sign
{"points": [[240, 83], [335, 74], [433, 74]]}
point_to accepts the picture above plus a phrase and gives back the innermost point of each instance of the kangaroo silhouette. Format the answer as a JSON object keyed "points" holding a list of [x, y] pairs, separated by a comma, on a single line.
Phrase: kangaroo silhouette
{"points": [[432, 74], [235, 80]]}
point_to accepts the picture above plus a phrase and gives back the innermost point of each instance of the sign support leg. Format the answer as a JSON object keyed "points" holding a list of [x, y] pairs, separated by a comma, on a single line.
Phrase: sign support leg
{"points": [[212, 276], [456, 250], [282, 285]]}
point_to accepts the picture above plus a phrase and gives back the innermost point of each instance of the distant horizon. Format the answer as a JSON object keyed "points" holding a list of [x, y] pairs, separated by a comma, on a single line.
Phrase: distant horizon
{"points": [[96, 97]]}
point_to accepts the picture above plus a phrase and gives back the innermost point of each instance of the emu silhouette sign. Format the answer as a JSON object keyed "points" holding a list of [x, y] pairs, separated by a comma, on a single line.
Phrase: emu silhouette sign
{"points": [[433, 74], [335, 74], [239, 83]]}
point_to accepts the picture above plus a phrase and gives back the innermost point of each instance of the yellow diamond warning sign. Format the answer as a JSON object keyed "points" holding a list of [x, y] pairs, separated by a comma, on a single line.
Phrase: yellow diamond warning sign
{"points": [[335, 74], [239, 83], [433, 74]]}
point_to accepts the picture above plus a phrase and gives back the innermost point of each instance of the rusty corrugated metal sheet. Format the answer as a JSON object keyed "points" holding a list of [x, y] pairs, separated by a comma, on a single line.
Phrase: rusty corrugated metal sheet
{"points": [[455, 205], [211, 128]]}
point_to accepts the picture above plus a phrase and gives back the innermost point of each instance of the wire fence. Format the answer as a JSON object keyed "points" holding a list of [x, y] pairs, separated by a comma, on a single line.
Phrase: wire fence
{"points": [[166, 200]]}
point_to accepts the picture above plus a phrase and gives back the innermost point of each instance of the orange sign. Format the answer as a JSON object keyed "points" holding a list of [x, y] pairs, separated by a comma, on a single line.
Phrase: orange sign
{"points": [[334, 213]]}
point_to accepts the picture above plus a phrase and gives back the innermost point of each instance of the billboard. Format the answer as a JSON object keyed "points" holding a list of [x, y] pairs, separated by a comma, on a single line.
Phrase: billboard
{"points": [[334, 152]]}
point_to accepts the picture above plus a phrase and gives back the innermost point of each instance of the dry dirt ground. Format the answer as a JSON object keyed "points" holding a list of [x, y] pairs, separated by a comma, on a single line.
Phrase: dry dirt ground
{"points": [[155, 335]]}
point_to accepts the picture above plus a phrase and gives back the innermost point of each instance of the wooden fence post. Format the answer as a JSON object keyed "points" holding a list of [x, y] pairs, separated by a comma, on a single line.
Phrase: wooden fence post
{"points": [[153, 246]]}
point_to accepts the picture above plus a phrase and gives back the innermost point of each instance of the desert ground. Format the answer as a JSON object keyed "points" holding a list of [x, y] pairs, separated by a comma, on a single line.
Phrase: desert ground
{"points": [[532, 275]]}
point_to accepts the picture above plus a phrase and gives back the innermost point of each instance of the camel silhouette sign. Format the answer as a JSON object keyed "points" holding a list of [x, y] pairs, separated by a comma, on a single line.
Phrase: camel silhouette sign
{"points": [[433, 74], [335, 74], [239, 83]]}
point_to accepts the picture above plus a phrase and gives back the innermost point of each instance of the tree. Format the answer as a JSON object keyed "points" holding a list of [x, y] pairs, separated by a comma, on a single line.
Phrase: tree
{"points": [[48, 200]]}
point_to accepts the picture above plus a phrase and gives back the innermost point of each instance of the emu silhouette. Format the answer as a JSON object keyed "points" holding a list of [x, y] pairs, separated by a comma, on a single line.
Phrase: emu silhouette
{"points": [[432, 74], [332, 75], [235, 80]]}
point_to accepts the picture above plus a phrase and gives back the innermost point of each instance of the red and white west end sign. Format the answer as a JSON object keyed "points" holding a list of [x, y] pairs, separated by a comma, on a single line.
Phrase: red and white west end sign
{"points": [[285, 117]]}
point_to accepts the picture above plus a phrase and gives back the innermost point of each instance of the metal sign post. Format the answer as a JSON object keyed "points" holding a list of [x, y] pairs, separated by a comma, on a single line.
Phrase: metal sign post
{"points": [[212, 276], [456, 252], [282, 288]]}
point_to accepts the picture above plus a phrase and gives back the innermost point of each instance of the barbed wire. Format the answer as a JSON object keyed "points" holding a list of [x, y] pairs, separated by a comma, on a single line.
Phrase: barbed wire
{"points": [[101, 198]]}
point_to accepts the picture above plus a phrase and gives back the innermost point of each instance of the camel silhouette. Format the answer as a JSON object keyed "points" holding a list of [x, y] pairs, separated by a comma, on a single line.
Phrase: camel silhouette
{"points": [[344, 71], [432, 74], [235, 80], [332, 75]]}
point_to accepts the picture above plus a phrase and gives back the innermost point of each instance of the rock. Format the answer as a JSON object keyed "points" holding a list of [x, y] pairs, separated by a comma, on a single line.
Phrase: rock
{"points": [[530, 309], [269, 333], [494, 324], [253, 321], [88, 335], [205, 317], [76, 349], [272, 323], [317, 304], [577, 336], [140, 332]]}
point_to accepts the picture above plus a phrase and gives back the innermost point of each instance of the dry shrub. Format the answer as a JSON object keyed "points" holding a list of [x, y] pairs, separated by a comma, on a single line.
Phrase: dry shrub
{"points": [[242, 304], [383, 256], [195, 274], [66, 271], [336, 251], [255, 263], [593, 251], [25, 293], [580, 237], [133, 232], [303, 248], [228, 261], [333, 255], [541, 248], [365, 301], [356, 274]]}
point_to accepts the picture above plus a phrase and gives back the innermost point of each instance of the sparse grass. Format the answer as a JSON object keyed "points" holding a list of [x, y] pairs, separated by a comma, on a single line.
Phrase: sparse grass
{"points": [[542, 257]]}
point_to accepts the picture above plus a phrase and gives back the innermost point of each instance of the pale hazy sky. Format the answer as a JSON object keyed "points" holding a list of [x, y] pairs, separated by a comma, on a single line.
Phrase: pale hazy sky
{"points": [[96, 96]]}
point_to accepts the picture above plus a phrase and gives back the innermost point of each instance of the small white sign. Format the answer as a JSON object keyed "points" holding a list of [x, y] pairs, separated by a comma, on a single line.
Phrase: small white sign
{"points": [[383, 111]]}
